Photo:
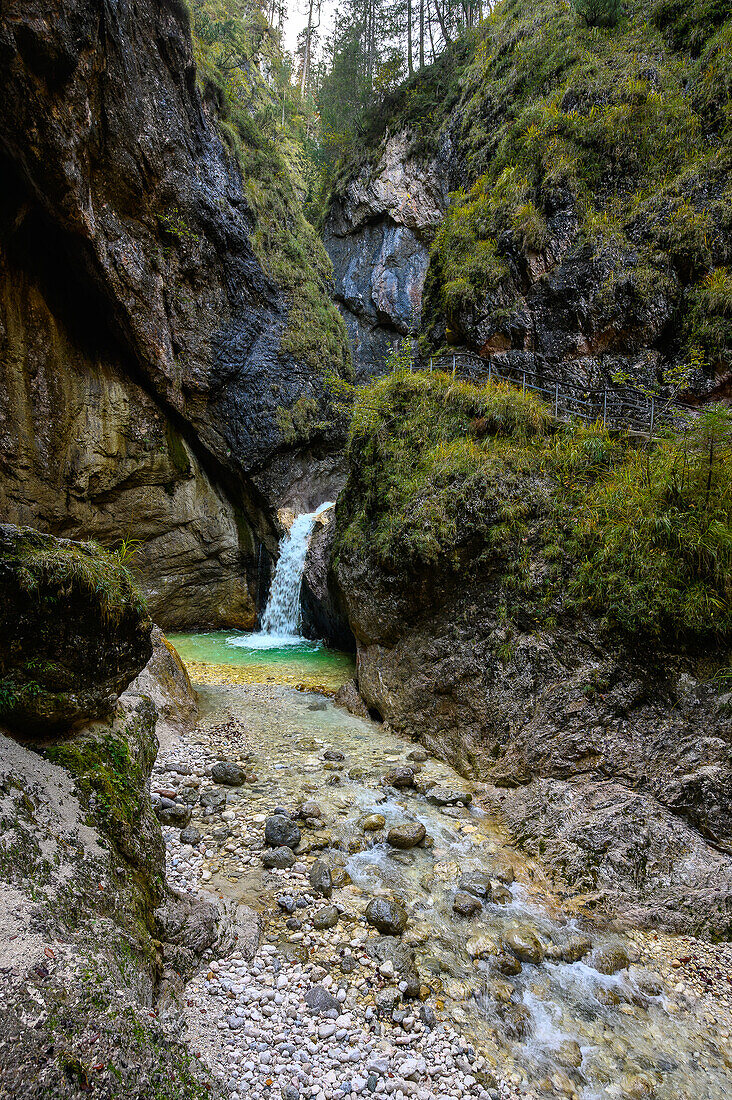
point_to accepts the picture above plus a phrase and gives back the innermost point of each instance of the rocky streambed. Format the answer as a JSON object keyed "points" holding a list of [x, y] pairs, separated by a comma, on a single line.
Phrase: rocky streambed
{"points": [[407, 948]]}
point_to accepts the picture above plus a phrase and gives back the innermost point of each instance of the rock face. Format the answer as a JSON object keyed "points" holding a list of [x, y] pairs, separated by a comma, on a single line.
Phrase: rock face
{"points": [[74, 632], [323, 614], [614, 765], [377, 234], [140, 338]]}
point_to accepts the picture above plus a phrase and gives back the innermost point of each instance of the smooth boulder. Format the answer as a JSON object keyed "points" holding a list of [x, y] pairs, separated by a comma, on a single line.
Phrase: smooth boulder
{"points": [[387, 915], [406, 836], [279, 858], [524, 944]]}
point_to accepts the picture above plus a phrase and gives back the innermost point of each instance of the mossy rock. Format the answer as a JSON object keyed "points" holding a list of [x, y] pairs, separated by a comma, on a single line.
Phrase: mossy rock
{"points": [[74, 631]]}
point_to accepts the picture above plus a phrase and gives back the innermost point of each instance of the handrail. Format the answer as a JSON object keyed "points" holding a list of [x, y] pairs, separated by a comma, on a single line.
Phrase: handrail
{"points": [[617, 406]]}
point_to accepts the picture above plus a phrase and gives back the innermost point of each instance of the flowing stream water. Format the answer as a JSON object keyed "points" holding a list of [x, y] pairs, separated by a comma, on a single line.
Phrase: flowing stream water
{"points": [[580, 1019]]}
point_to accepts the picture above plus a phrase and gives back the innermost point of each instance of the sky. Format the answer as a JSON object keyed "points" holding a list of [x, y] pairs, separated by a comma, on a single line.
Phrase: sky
{"points": [[297, 18]]}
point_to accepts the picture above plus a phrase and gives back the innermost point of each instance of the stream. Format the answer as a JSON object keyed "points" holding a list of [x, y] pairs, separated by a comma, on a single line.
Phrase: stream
{"points": [[542, 1006]]}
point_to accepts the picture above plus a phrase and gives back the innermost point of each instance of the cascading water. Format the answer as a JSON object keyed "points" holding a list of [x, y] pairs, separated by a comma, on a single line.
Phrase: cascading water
{"points": [[281, 618]]}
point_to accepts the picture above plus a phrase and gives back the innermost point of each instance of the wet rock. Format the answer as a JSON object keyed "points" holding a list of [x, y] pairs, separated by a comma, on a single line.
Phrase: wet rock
{"points": [[189, 835], [609, 959], [636, 1086], [388, 915], [231, 775], [294, 924], [320, 705], [419, 756], [648, 981], [339, 877], [569, 1054], [401, 778], [221, 834], [348, 698], [177, 813], [310, 809], [397, 960], [516, 1021], [524, 944], [333, 754], [482, 947], [500, 894], [500, 991], [446, 796], [576, 948], [372, 822], [326, 918], [321, 878], [406, 836], [507, 964], [279, 858], [319, 1000], [280, 830], [465, 904], [502, 869], [477, 883], [213, 800]]}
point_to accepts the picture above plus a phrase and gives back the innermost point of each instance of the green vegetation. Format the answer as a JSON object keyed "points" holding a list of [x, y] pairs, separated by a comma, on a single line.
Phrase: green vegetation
{"points": [[567, 518], [261, 123], [626, 126], [83, 567]]}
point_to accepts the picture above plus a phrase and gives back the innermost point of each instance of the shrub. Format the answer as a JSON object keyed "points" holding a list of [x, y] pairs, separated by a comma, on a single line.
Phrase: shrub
{"points": [[599, 13]]}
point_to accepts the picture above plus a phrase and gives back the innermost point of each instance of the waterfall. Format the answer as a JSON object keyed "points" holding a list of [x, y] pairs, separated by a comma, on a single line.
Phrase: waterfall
{"points": [[281, 616]]}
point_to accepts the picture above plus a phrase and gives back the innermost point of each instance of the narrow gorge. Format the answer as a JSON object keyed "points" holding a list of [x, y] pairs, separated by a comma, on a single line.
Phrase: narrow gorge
{"points": [[366, 550]]}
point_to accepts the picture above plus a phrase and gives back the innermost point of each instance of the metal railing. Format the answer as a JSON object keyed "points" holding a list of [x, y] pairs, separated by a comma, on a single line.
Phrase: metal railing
{"points": [[618, 406]]}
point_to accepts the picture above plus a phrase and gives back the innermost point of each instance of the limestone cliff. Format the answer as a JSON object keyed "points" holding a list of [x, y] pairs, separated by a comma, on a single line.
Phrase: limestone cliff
{"points": [[144, 350]]}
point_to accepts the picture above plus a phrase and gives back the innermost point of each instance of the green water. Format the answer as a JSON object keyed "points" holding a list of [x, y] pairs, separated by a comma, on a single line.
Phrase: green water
{"points": [[265, 657]]}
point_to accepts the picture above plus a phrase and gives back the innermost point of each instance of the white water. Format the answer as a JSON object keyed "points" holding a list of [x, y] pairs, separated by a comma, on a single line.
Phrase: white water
{"points": [[281, 621]]}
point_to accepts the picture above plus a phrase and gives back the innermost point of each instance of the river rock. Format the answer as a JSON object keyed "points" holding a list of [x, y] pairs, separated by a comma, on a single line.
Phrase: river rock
{"points": [[609, 959], [326, 918], [419, 756], [465, 904], [319, 1000], [516, 1020], [333, 754], [189, 835], [213, 800], [446, 796], [506, 963], [280, 830], [406, 836], [228, 773], [388, 915], [310, 809], [576, 948], [569, 1053], [321, 878], [177, 813], [372, 822], [523, 943], [500, 894], [482, 947], [279, 858], [477, 883], [401, 778], [502, 869]]}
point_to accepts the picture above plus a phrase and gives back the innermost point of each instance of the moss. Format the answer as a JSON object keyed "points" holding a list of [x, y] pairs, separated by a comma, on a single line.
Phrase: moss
{"points": [[82, 566], [629, 127], [288, 248], [446, 474]]}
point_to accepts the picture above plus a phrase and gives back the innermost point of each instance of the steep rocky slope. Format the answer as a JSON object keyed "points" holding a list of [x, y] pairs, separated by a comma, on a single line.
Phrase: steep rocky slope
{"points": [[553, 196], [147, 356], [532, 602], [94, 947]]}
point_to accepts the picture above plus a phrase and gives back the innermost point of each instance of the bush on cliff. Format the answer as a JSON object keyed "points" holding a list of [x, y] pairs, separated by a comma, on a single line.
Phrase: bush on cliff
{"points": [[449, 475]]}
